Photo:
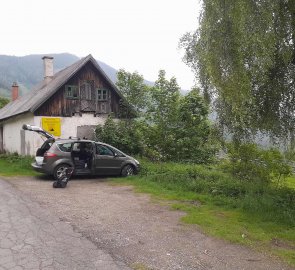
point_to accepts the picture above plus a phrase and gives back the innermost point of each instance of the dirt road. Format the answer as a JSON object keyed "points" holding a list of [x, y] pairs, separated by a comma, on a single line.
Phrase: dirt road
{"points": [[137, 231]]}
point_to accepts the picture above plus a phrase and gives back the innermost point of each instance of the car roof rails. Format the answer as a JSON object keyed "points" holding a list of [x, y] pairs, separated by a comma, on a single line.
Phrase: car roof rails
{"points": [[77, 138]]}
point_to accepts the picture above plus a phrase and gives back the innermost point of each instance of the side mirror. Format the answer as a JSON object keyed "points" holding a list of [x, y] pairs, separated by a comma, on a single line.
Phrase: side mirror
{"points": [[115, 155]]}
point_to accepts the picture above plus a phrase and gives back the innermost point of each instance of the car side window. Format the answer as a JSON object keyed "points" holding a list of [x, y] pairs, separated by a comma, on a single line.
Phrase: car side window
{"points": [[119, 154], [103, 150], [65, 147]]}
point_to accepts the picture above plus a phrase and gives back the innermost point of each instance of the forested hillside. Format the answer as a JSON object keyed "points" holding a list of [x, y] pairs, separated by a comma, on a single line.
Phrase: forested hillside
{"points": [[28, 70]]}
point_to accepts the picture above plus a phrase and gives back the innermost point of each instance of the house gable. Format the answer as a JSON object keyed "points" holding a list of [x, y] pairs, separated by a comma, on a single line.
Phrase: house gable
{"points": [[88, 90]]}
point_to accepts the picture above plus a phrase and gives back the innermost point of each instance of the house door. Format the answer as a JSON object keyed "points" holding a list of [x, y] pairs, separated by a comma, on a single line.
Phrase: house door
{"points": [[87, 96], [1, 140]]}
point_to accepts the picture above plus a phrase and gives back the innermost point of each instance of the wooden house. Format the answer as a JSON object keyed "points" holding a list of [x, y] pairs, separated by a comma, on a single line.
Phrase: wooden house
{"points": [[71, 102]]}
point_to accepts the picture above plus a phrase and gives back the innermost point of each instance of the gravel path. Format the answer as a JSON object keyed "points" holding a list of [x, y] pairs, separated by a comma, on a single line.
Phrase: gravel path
{"points": [[31, 238], [134, 229]]}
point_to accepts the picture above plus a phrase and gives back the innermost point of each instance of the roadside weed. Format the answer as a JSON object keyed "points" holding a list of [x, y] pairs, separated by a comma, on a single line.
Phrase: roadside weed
{"points": [[14, 165]]}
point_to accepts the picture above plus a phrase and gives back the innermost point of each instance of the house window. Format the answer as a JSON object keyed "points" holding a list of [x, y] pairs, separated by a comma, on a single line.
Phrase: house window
{"points": [[102, 94], [71, 91]]}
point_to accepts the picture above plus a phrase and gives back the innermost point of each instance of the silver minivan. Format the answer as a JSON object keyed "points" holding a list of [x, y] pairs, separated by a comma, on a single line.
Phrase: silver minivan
{"points": [[85, 156]]}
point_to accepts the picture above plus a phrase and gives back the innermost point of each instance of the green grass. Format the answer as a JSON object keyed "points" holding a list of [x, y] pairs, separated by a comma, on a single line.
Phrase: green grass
{"points": [[14, 165], [262, 217]]}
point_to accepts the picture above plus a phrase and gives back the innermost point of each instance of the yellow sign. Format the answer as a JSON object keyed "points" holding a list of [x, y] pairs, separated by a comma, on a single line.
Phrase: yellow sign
{"points": [[52, 125]]}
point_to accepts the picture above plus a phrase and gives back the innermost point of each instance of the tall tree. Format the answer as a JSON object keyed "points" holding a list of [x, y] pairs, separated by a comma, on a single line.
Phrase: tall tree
{"points": [[134, 90], [243, 54], [178, 126], [162, 114], [194, 133], [165, 97], [3, 102]]}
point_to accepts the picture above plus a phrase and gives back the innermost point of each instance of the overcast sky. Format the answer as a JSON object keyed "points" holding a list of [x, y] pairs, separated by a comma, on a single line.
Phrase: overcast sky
{"points": [[137, 35]]}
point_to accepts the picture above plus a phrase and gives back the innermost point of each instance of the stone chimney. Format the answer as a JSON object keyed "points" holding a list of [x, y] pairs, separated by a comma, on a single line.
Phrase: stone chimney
{"points": [[48, 68], [14, 91]]}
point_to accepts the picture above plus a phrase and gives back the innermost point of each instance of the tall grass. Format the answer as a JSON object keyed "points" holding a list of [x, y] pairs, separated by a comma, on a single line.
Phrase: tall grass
{"points": [[266, 201], [14, 164]]}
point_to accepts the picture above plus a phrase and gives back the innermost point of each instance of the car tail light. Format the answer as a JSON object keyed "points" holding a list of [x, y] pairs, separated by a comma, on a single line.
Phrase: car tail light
{"points": [[49, 155]]}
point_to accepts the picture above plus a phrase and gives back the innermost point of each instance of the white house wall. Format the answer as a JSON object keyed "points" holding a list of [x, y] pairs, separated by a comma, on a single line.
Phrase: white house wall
{"points": [[29, 142], [69, 125], [13, 141]]}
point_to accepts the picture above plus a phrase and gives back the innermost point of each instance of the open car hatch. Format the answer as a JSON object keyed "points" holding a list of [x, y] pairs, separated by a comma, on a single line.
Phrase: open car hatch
{"points": [[39, 130]]}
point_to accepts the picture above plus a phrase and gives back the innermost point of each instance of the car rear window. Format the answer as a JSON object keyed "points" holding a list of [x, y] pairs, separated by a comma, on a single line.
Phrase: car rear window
{"points": [[65, 147], [45, 147]]}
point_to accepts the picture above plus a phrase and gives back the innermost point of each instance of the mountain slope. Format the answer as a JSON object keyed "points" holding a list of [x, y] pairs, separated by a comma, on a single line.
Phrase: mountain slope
{"points": [[28, 70]]}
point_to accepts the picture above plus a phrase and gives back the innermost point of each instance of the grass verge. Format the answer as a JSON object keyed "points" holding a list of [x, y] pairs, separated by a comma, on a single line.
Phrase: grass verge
{"points": [[259, 216], [15, 165]]}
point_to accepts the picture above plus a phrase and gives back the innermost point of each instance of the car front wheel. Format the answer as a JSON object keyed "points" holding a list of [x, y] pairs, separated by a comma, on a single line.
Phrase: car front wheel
{"points": [[127, 170], [60, 171]]}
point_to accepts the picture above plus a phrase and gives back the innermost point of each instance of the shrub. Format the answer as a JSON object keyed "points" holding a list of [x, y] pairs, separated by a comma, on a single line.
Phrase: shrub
{"points": [[124, 135], [14, 157], [248, 162], [266, 202]]}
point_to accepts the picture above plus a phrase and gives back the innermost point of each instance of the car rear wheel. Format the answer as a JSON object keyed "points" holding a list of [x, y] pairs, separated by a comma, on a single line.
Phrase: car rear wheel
{"points": [[60, 171], [127, 170]]}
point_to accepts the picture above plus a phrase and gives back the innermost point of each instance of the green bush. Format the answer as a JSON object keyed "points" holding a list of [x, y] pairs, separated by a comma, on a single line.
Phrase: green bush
{"points": [[125, 135], [248, 162], [137, 137], [15, 158]]}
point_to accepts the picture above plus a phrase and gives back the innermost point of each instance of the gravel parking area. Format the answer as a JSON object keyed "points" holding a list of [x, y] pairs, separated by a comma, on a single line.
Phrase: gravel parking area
{"points": [[136, 230], [33, 238]]}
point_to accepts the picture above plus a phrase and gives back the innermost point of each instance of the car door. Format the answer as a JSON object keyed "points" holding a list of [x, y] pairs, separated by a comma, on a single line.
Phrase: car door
{"points": [[83, 156], [106, 161]]}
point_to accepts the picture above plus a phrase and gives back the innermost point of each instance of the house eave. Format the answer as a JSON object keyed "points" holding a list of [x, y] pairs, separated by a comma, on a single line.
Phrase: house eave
{"points": [[15, 115]]}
